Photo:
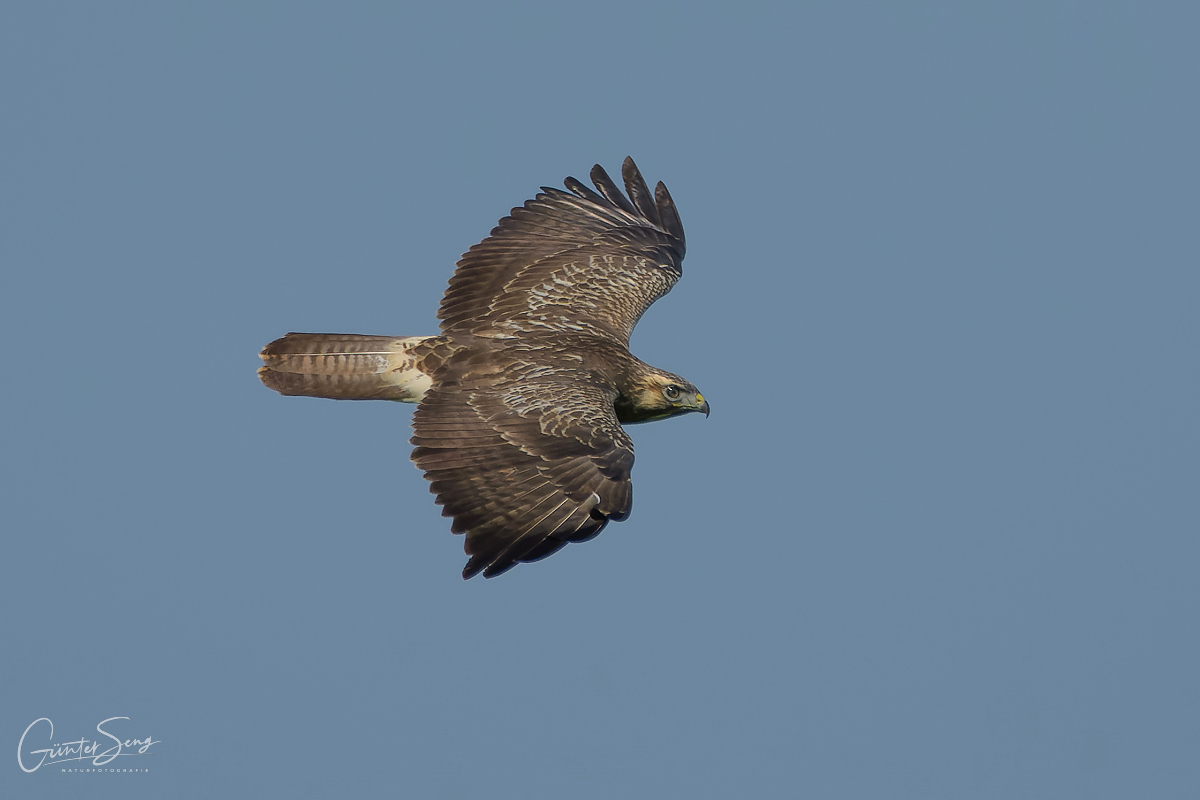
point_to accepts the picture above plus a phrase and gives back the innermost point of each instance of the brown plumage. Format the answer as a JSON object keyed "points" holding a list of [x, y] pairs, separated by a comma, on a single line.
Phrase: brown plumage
{"points": [[523, 395]]}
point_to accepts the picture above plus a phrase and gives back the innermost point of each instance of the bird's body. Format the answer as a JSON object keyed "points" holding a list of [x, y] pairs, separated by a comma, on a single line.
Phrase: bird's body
{"points": [[523, 394]]}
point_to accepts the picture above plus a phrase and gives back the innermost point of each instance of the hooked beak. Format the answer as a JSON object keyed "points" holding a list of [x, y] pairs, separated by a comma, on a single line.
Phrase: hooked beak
{"points": [[703, 407]]}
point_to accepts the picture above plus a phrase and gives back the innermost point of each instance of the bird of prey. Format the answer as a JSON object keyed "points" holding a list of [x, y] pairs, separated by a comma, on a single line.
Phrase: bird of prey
{"points": [[522, 396]]}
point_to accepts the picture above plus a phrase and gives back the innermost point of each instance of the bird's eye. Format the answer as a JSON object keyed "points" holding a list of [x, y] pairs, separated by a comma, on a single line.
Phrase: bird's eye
{"points": [[671, 391]]}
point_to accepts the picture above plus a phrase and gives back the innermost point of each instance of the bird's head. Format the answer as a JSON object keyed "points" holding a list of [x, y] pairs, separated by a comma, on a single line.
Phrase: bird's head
{"points": [[658, 395]]}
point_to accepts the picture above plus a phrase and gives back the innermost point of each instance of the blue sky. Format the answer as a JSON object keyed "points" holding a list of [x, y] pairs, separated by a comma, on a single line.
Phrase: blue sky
{"points": [[937, 539]]}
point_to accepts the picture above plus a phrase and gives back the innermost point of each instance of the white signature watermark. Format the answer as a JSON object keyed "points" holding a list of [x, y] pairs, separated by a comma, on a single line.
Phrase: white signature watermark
{"points": [[59, 752]]}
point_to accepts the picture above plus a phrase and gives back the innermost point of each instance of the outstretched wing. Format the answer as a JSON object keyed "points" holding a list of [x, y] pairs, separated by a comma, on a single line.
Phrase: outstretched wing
{"points": [[577, 261], [524, 457]]}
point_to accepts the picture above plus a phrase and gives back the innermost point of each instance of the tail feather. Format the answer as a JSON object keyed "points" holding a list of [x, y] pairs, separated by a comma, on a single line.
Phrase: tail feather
{"points": [[344, 366]]}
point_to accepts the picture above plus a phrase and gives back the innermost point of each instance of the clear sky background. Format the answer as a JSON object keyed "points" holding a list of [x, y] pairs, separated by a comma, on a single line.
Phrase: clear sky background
{"points": [[937, 540]]}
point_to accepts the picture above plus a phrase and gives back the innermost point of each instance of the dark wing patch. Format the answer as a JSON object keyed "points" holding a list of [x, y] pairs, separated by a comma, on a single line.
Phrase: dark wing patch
{"points": [[524, 458], [577, 261]]}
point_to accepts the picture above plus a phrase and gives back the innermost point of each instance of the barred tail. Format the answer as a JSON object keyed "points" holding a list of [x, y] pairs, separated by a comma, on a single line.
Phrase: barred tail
{"points": [[346, 366]]}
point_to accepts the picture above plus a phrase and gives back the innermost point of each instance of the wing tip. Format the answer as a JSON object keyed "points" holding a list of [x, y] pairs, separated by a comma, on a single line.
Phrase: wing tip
{"points": [[658, 207]]}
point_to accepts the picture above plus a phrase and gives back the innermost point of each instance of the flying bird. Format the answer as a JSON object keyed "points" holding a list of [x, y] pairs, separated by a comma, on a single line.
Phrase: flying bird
{"points": [[523, 395]]}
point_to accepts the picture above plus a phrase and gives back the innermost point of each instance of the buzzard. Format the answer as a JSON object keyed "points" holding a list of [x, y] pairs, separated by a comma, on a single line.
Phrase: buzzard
{"points": [[522, 396]]}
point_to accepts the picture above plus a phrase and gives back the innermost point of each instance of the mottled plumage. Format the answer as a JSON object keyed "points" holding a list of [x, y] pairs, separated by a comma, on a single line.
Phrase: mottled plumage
{"points": [[523, 394]]}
